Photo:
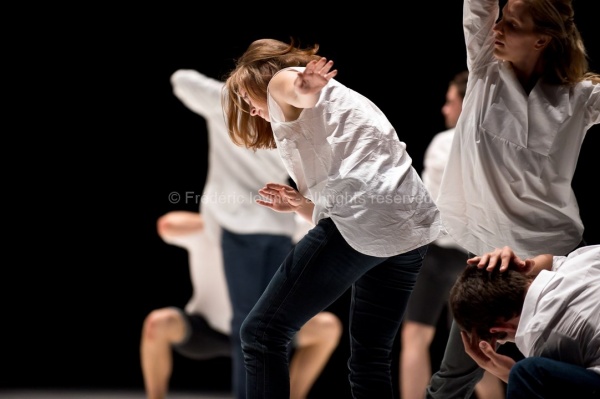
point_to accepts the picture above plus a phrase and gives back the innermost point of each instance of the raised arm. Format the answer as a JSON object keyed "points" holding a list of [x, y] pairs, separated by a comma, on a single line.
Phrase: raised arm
{"points": [[198, 92], [479, 17], [291, 88]]}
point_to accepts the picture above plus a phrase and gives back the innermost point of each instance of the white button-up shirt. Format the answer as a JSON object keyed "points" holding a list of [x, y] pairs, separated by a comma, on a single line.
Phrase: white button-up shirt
{"points": [[234, 173], [346, 157]]}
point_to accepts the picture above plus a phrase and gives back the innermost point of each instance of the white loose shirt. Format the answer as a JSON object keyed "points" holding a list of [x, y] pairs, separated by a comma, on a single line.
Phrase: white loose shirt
{"points": [[346, 157], [210, 297], [561, 313], [434, 164], [508, 178], [234, 176]]}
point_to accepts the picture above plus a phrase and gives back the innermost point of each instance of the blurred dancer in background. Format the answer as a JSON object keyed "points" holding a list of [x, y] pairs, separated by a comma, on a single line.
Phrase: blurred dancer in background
{"points": [[445, 260], [247, 240]]}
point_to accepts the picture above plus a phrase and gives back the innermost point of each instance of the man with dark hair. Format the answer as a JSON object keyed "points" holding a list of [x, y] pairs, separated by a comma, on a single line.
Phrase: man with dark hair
{"points": [[549, 306]]}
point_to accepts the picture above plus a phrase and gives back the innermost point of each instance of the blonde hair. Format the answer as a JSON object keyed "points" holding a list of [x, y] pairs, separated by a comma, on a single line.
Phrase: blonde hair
{"points": [[565, 56], [253, 71]]}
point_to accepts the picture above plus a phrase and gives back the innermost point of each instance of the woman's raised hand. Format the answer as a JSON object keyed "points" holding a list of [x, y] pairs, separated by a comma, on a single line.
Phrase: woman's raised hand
{"points": [[316, 76]]}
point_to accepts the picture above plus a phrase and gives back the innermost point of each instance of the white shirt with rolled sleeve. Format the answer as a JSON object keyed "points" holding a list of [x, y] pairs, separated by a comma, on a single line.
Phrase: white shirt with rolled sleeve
{"points": [[561, 313], [346, 157]]}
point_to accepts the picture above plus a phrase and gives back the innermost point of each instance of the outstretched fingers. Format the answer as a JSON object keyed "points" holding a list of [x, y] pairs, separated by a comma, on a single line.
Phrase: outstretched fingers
{"points": [[321, 67]]}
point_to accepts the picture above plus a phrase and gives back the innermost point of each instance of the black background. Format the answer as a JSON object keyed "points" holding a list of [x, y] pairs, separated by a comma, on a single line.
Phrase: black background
{"points": [[102, 141]]}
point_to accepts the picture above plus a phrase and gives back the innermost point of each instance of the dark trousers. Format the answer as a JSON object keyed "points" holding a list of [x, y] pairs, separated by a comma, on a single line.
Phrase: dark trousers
{"points": [[250, 261], [543, 378], [319, 270]]}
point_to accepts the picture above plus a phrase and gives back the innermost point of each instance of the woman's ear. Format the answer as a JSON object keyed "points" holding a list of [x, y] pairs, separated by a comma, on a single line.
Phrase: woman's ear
{"points": [[542, 42]]}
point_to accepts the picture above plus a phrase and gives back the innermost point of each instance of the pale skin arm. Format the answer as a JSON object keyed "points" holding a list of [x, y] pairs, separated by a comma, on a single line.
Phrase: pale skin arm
{"points": [[284, 198], [301, 89]]}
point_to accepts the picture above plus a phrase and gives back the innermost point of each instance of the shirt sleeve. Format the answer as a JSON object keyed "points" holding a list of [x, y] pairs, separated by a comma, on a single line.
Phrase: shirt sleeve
{"points": [[594, 105], [479, 17], [198, 92]]}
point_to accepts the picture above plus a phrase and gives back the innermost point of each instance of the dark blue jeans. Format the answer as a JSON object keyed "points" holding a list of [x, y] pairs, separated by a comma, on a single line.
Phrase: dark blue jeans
{"points": [[321, 267], [250, 261], [543, 378]]}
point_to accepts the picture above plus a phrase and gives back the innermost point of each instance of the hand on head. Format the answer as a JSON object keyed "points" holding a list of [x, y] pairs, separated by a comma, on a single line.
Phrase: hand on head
{"points": [[506, 256]]}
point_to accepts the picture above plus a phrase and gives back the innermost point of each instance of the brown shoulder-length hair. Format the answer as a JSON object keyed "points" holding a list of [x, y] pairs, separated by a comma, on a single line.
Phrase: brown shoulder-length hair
{"points": [[252, 73], [565, 56], [479, 299]]}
